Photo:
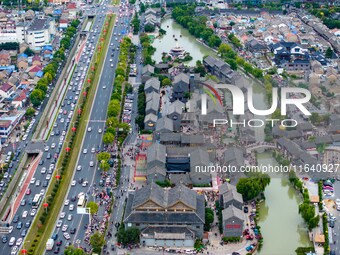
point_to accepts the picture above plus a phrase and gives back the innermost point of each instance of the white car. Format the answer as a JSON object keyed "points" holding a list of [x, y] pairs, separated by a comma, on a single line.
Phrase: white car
{"points": [[66, 236], [32, 180], [69, 217], [52, 145], [19, 242], [67, 202], [10, 229], [91, 163], [48, 177], [33, 212], [24, 214], [337, 201], [59, 223], [42, 192], [47, 148], [43, 170], [84, 184], [100, 131], [89, 129], [93, 150], [71, 207], [78, 167], [73, 183], [62, 215], [85, 151], [64, 228], [14, 250]]}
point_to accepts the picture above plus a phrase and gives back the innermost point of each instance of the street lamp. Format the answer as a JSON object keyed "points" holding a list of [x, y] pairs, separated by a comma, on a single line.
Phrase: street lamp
{"points": [[24, 251], [45, 205]]}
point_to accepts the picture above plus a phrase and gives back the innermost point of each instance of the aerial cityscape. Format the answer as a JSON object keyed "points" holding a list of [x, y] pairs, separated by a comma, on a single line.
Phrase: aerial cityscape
{"points": [[174, 126]]}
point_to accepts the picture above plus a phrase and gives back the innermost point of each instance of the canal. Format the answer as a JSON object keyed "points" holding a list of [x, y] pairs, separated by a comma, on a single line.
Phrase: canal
{"points": [[281, 225], [184, 39]]}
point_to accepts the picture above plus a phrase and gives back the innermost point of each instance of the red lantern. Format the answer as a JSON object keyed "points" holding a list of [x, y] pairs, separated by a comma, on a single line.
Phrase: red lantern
{"points": [[24, 251], [68, 149], [45, 205], [74, 129], [57, 177], [79, 111], [88, 80], [84, 93], [93, 68], [106, 23], [102, 39]]}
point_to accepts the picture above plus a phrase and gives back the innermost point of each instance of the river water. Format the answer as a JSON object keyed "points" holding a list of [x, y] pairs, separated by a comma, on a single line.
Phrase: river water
{"points": [[281, 225], [187, 41]]}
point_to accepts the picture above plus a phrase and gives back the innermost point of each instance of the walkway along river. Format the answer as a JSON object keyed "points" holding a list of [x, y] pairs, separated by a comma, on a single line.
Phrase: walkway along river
{"points": [[281, 225]]}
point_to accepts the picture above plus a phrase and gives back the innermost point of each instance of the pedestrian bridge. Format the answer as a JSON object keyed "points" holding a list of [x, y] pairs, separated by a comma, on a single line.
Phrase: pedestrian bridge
{"points": [[263, 145], [333, 148]]}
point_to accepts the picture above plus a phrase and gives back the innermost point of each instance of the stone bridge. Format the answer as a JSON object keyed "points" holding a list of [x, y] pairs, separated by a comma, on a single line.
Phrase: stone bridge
{"points": [[262, 145]]}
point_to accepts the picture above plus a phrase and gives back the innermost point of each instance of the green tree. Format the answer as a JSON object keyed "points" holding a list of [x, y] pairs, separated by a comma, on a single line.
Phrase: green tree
{"points": [[315, 118], [129, 236], [209, 218], [200, 68], [307, 212], [29, 52], [97, 241], [114, 108], [71, 250], [108, 138], [103, 156], [104, 165], [30, 112], [36, 97], [112, 122], [125, 127], [120, 71], [253, 186], [224, 48], [93, 207], [166, 82], [329, 53], [149, 28]]}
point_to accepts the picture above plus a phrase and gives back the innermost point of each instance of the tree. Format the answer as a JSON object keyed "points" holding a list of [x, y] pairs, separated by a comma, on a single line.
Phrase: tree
{"points": [[307, 212], [93, 207], [103, 156], [166, 82], [120, 71], [30, 112], [112, 122], [315, 118], [29, 52], [126, 128], [224, 48], [104, 165], [97, 241], [329, 53], [251, 187], [108, 138], [114, 108], [149, 28], [129, 236], [36, 97], [209, 218], [71, 250], [200, 68]]}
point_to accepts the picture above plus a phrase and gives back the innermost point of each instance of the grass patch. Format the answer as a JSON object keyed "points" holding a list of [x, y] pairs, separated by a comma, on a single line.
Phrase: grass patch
{"points": [[115, 2], [39, 233]]}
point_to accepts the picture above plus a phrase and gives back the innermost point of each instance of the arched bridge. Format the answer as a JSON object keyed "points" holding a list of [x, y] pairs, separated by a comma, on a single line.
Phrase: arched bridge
{"points": [[262, 145]]}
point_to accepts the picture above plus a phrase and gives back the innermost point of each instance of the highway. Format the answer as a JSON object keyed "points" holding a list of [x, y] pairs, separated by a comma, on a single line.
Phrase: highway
{"points": [[92, 142], [57, 137]]}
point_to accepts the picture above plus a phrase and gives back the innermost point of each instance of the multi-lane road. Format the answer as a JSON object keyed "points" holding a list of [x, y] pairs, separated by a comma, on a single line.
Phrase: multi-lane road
{"points": [[92, 142], [53, 145]]}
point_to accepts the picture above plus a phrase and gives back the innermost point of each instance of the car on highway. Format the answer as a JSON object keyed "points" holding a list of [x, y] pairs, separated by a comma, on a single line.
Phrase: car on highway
{"points": [[28, 224], [24, 214], [73, 183], [73, 231], [48, 177], [18, 242], [100, 130], [19, 225], [23, 232], [66, 236], [71, 207], [32, 180], [67, 202], [84, 184], [62, 215], [69, 217], [42, 192], [64, 228], [93, 150], [89, 129], [11, 241], [10, 229], [28, 191], [91, 163], [4, 239], [79, 167], [33, 212], [23, 202], [43, 170], [85, 151], [14, 250]]}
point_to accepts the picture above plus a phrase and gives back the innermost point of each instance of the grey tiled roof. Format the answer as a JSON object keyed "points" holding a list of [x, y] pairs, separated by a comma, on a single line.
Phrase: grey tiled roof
{"points": [[153, 96], [156, 151], [148, 68], [38, 24], [199, 157], [192, 139], [173, 230], [234, 155], [150, 117], [232, 195], [177, 106], [165, 123], [180, 193], [323, 139], [156, 170], [232, 211], [181, 77], [152, 105], [170, 137], [152, 83], [151, 192], [225, 187]]}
